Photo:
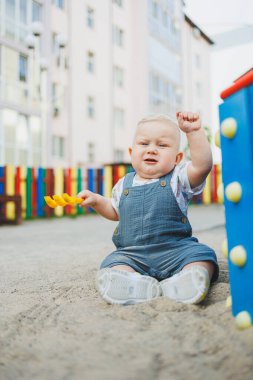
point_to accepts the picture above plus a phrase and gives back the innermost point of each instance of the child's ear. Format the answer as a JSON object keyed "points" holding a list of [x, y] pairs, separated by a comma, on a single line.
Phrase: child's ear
{"points": [[179, 157], [130, 151]]}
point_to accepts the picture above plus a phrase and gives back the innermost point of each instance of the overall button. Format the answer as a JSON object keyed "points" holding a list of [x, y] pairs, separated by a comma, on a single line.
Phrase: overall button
{"points": [[126, 191], [163, 183], [184, 220]]}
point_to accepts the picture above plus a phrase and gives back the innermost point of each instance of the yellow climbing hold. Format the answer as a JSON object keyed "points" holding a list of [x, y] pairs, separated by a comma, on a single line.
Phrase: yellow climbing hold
{"points": [[224, 248], [229, 302], [71, 200], [62, 200], [217, 138], [59, 200], [233, 192], [50, 202], [229, 127], [238, 255], [243, 320]]}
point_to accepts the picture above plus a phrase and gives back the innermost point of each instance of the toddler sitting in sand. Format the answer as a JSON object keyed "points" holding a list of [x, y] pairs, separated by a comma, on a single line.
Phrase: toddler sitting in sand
{"points": [[155, 252]]}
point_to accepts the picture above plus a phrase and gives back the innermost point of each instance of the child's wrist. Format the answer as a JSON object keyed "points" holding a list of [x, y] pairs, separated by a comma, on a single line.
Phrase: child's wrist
{"points": [[194, 131]]}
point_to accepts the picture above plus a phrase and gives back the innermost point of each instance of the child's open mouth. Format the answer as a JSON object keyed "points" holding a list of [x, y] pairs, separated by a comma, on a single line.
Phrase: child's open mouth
{"points": [[150, 161]]}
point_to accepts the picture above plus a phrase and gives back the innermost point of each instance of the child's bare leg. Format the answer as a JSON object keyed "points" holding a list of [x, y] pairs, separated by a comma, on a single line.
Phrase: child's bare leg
{"points": [[124, 267], [206, 264]]}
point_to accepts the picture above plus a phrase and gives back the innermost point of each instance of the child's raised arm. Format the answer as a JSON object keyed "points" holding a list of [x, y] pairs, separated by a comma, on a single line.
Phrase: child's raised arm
{"points": [[99, 203], [201, 155]]}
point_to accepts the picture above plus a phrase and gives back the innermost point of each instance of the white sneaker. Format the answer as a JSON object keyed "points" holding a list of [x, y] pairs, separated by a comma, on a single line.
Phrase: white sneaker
{"points": [[188, 286], [126, 288]]}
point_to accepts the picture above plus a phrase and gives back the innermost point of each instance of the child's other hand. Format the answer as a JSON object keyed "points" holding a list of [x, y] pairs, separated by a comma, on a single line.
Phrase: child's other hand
{"points": [[89, 198], [188, 121]]}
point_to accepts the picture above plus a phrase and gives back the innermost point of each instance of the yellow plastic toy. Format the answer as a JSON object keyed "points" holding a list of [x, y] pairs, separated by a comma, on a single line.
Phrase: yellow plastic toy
{"points": [[62, 200]]}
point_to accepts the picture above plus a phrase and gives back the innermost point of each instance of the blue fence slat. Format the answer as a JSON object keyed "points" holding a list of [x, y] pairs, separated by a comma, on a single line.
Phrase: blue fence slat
{"points": [[91, 176], [1, 179], [40, 192]]}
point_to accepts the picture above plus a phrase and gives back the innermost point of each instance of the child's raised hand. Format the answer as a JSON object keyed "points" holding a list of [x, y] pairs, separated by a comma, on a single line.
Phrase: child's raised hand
{"points": [[188, 121], [89, 198]]}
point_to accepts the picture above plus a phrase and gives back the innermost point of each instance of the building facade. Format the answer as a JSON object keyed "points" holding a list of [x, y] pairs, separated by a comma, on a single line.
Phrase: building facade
{"points": [[76, 76]]}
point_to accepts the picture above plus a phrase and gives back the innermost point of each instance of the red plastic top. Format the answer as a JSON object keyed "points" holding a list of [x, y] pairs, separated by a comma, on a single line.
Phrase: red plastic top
{"points": [[244, 81]]}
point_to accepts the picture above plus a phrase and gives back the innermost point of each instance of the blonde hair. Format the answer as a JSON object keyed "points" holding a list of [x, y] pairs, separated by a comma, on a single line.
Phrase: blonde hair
{"points": [[158, 117], [162, 118]]}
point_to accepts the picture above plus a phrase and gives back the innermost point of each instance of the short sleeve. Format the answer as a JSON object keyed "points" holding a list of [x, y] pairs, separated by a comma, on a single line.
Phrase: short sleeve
{"points": [[185, 184], [116, 194]]}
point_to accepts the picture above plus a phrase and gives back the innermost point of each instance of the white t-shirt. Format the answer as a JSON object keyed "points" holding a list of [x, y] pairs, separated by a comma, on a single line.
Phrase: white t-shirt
{"points": [[180, 186]]}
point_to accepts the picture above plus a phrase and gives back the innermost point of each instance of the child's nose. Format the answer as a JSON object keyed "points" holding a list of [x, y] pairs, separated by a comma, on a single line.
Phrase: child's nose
{"points": [[152, 150]]}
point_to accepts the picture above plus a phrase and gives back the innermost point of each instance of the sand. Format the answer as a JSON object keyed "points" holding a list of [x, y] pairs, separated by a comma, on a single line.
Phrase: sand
{"points": [[54, 325]]}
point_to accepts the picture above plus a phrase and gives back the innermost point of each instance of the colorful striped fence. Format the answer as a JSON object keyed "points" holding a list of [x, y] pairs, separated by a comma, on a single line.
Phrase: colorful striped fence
{"points": [[32, 184]]}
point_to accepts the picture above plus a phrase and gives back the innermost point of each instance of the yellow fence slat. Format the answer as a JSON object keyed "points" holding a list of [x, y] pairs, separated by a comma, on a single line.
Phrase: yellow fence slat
{"points": [[23, 172], [73, 188], [122, 171], [207, 193], [58, 188], [219, 182], [10, 190]]}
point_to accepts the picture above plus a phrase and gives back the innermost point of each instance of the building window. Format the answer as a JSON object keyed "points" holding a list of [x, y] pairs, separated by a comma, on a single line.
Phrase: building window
{"points": [[54, 43], [36, 11], [118, 118], [90, 107], [90, 17], [155, 83], [90, 62], [58, 146], [118, 36], [118, 76], [23, 11], [198, 89], [10, 9], [59, 3], [119, 3], [155, 8], [165, 19], [118, 155], [197, 61], [91, 152], [22, 68]]}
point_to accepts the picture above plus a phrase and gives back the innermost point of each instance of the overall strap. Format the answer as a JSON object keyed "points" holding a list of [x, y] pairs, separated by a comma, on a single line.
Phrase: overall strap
{"points": [[128, 180], [165, 180]]}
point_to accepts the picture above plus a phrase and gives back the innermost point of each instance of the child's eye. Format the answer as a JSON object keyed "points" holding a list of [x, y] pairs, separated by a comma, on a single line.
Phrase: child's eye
{"points": [[143, 143], [163, 145]]}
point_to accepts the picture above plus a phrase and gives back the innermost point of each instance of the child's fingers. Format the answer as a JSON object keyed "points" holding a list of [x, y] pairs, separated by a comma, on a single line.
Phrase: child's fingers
{"points": [[187, 125], [189, 116], [83, 194]]}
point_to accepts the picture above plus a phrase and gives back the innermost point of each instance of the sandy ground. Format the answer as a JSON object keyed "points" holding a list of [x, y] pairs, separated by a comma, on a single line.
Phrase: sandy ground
{"points": [[55, 326]]}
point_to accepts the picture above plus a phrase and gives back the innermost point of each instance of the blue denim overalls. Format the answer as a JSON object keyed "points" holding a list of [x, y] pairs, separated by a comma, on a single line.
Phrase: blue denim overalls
{"points": [[153, 236]]}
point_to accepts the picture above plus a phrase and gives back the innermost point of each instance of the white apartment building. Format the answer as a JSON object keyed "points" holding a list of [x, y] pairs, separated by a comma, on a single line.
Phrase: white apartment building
{"points": [[109, 63], [196, 70]]}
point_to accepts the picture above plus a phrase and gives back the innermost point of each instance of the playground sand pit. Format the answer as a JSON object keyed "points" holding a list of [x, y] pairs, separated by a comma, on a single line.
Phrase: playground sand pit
{"points": [[54, 325]]}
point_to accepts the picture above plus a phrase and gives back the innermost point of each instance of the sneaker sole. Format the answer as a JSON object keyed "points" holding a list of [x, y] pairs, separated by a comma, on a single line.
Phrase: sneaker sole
{"points": [[126, 288], [188, 286]]}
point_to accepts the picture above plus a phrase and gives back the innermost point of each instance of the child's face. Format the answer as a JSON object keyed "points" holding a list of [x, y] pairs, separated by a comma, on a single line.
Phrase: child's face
{"points": [[155, 149]]}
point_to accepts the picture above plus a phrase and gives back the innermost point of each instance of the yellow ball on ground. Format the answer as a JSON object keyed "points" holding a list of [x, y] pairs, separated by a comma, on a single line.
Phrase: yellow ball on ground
{"points": [[243, 320], [217, 138], [229, 302], [229, 127], [220, 193], [238, 256], [233, 192]]}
